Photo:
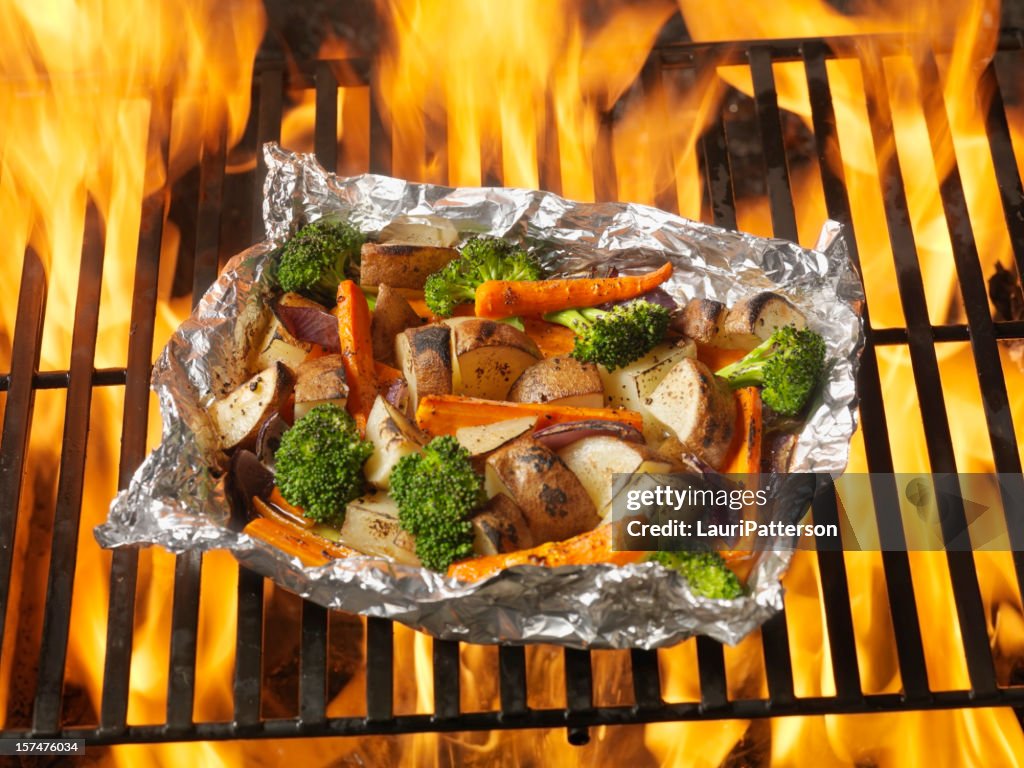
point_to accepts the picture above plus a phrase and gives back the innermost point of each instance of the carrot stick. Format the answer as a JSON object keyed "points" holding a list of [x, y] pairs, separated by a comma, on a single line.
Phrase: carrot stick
{"points": [[311, 549], [745, 452], [586, 548], [509, 298], [443, 414], [353, 315], [290, 511]]}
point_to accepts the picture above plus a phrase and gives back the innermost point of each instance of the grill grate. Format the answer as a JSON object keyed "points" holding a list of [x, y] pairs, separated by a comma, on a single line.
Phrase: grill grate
{"points": [[226, 204]]}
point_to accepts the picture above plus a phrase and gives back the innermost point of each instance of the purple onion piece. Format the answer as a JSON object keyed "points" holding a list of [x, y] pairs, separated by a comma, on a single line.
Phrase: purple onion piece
{"points": [[317, 326], [557, 436]]}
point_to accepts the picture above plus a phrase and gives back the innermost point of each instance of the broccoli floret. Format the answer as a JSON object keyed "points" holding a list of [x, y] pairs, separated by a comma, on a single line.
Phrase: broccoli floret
{"points": [[705, 572], [480, 259], [435, 491], [788, 367], [318, 257], [319, 464], [616, 337]]}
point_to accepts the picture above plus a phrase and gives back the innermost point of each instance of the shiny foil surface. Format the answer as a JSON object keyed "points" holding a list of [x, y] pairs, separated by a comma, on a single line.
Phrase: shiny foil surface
{"points": [[176, 498]]}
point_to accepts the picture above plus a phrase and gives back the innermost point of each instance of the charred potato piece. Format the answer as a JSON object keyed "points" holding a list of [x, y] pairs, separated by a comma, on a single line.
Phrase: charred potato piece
{"points": [[753, 319], [500, 527], [489, 356], [561, 380], [239, 416], [371, 526], [401, 265], [485, 439], [554, 502], [391, 315], [698, 409], [631, 387], [393, 436], [278, 345], [703, 320], [320, 381], [596, 461], [425, 357]]}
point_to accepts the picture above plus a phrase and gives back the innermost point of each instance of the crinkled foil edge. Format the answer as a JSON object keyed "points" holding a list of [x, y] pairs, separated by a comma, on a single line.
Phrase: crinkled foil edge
{"points": [[176, 498]]}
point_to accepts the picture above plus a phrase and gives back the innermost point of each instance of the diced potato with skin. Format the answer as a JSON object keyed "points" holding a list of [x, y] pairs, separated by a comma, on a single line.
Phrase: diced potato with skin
{"points": [[280, 346], [696, 408], [500, 527], [401, 265], [371, 526], [630, 387], [393, 436], [553, 500], [238, 416], [391, 315], [755, 318], [425, 357], [320, 381], [596, 461], [560, 380], [489, 356], [703, 319], [485, 438]]}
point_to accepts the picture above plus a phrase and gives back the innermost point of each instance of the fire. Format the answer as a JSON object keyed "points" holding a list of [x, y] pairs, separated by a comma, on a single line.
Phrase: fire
{"points": [[532, 94]]}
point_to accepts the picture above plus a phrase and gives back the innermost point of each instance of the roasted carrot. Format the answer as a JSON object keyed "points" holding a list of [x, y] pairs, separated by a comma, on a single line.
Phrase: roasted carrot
{"points": [[511, 298], [551, 339], [354, 334], [443, 414], [385, 373], [311, 549], [586, 548], [745, 453], [291, 511]]}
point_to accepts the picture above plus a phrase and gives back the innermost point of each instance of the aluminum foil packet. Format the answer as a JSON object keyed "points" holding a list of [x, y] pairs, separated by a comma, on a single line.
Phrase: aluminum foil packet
{"points": [[177, 499]]}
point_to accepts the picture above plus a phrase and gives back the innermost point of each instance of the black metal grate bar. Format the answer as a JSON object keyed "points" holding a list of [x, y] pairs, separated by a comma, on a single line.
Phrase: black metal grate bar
{"points": [[446, 679], [512, 680], [1004, 163], [313, 660], [963, 577], [124, 564], [380, 680], [28, 337], [579, 691], [780, 199], [646, 679], [46, 716], [896, 564]]}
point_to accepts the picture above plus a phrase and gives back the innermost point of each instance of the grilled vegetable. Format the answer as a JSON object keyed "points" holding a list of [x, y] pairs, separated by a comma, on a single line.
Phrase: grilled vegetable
{"points": [[318, 257], [319, 464], [436, 491], [393, 436], [391, 315], [239, 416], [706, 573], [357, 350], [401, 265], [510, 297], [554, 501], [697, 409], [320, 381], [481, 259], [488, 357], [559, 381], [425, 356], [788, 367], [617, 337], [444, 414], [755, 318]]}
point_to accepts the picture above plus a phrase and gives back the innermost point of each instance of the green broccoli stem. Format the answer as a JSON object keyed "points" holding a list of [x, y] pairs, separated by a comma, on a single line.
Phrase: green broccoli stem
{"points": [[575, 319], [747, 371]]}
